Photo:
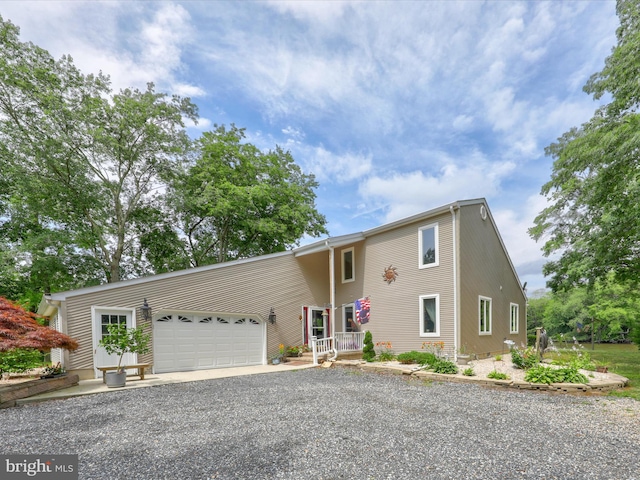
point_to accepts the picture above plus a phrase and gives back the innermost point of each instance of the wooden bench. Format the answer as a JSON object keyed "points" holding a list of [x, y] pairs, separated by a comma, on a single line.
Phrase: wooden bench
{"points": [[139, 366]]}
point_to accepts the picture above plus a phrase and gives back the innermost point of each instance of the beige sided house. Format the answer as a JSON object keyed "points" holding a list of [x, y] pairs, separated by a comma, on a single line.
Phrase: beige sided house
{"points": [[440, 276]]}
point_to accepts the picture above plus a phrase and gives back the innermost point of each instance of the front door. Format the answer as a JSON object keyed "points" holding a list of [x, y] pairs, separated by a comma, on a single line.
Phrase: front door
{"points": [[316, 323], [102, 318]]}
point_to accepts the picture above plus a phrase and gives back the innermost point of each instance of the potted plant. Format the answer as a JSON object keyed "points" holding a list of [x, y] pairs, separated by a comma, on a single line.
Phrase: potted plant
{"points": [[280, 356], [121, 340], [463, 356]]}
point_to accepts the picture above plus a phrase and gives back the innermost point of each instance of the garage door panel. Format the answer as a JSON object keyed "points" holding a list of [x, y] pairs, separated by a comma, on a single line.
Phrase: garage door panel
{"points": [[187, 342]]}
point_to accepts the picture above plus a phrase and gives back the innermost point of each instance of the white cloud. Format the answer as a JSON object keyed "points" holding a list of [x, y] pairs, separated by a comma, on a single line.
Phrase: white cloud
{"points": [[339, 168], [513, 225], [405, 194], [91, 33]]}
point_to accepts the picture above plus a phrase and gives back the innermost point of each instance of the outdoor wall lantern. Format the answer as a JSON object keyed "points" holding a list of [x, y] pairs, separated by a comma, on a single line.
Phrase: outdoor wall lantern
{"points": [[272, 316], [145, 311]]}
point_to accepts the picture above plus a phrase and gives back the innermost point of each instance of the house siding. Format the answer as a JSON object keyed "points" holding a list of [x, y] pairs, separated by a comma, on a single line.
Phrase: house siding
{"points": [[282, 282], [395, 307], [485, 271]]}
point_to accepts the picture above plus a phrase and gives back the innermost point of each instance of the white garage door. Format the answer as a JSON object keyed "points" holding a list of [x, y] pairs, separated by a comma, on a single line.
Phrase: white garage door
{"points": [[184, 342]]}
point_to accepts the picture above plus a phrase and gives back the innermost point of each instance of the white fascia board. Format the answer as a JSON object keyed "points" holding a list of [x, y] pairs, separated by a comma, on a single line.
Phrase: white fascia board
{"points": [[331, 242]]}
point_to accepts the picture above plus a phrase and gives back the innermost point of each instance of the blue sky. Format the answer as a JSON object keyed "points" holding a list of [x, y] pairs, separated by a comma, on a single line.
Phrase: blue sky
{"points": [[396, 107]]}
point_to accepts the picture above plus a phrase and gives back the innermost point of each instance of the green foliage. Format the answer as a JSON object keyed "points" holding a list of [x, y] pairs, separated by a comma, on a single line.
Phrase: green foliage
{"points": [[415, 357], [441, 365], [468, 372], [540, 374], [609, 311], [97, 186], [237, 201], [386, 356], [20, 360], [368, 351], [495, 375], [524, 358], [121, 340], [594, 192], [548, 375]]}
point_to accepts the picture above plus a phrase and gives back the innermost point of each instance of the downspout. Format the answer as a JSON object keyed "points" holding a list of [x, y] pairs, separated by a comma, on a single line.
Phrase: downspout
{"points": [[455, 284], [332, 293]]}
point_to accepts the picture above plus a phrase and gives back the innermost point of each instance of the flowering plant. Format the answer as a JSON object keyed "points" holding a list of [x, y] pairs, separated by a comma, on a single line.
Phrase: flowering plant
{"points": [[436, 348], [385, 354]]}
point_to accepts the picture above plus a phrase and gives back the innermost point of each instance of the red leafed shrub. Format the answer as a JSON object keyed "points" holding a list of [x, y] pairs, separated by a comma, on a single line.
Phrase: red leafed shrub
{"points": [[20, 329]]}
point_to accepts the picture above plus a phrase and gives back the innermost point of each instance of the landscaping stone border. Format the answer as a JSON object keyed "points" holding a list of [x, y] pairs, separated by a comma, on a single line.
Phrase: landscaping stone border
{"points": [[10, 393], [612, 382]]}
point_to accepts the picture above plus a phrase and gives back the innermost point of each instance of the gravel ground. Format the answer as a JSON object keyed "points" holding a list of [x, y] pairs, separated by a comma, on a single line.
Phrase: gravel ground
{"points": [[338, 423]]}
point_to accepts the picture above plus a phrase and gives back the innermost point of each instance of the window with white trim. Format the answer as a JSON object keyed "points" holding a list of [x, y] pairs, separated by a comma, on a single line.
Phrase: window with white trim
{"points": [[484, 315], [348, 266], [428, 246], [514, 316], [430, 315], [348, 318]]}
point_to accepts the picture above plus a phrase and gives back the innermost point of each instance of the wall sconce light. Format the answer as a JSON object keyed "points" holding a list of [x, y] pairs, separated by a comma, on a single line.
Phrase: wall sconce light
{"points": [[272, 316], [145, 311]]}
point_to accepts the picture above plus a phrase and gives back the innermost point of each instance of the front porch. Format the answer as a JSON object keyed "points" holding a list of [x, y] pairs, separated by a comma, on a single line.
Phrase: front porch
{"points": [[332, 347]]}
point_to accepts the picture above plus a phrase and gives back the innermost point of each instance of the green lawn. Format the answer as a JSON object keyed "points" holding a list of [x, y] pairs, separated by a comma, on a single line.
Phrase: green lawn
{"points": [[623, 359]]}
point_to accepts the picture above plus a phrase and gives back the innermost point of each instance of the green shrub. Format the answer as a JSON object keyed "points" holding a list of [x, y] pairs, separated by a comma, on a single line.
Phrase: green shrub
{"points": [[386, 356], [20, 360], [497, 375], [444, 366], [368, 352], [543, 374], [540, 374], [468, 372], [421, 358]]}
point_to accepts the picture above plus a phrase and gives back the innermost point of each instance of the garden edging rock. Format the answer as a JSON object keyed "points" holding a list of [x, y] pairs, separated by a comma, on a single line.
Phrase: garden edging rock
{"points": [[611, 382]]}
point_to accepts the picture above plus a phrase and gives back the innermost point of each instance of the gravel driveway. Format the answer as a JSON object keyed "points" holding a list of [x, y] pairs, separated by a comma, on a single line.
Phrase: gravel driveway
{"points": [[334, 423]]}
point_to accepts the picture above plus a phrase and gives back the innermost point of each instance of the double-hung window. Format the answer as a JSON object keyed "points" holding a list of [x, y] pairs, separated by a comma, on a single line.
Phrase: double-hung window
{"points": [[428, 246], [484, 315]]}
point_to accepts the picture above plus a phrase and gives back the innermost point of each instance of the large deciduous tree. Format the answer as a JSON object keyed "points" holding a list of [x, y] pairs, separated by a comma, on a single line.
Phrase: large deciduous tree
{"points": [[593, 219], [80, 163], [237, 201]]}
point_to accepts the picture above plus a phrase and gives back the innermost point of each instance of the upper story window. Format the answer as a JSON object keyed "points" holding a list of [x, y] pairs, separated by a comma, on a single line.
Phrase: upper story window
{"points": [[428, 245], [348, 266], [484, 315], [429, 315], [514, 315]]}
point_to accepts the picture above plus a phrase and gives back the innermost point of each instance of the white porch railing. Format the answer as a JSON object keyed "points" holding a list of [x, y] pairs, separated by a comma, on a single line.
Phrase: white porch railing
{"points": [[349, 341], [322, 346], [342, 342]]}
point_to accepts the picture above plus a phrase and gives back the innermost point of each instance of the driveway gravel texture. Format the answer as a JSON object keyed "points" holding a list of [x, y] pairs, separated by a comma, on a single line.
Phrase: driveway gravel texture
{"points": [[338, 423]]}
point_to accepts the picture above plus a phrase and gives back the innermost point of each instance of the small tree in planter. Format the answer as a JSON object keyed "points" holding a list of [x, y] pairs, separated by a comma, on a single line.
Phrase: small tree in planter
{"points": [[368, 351], [121, 340]]}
